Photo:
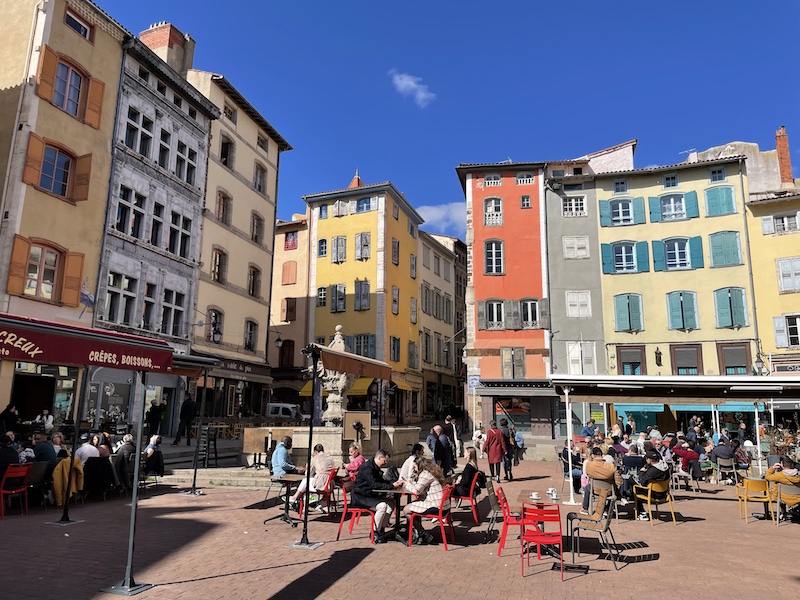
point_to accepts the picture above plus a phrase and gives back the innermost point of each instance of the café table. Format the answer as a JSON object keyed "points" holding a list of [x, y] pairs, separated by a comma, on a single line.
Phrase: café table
{"points": [[398, 493], [287, 480]]}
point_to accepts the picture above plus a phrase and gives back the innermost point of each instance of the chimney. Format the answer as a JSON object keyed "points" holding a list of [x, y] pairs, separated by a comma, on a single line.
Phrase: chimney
{"points": [[784, 160], [170, 45]]}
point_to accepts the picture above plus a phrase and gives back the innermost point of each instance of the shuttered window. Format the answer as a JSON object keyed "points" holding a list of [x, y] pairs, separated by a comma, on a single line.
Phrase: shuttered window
{"points": [[55, 170], [628, 312], [682, 310], [338, 295], [725, 249], [719, 201], [339, 249], [40, 271], [730, 307], [289, 309], [362, 246], [686, 360], [70, 88], [395, 300], [362, 295], [789, 274]]}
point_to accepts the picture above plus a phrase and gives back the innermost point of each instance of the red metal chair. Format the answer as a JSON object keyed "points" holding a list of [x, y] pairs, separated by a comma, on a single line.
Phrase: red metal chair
{"points": [[354, 512], [471, 499], [327, 493], [15, 481], [535, 531], [509, 519], [443, 516]]}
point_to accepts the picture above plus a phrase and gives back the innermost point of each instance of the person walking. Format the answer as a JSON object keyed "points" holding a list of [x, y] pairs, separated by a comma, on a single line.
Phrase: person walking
{"points": [[188, 411], [495, 449], [153, 417]]}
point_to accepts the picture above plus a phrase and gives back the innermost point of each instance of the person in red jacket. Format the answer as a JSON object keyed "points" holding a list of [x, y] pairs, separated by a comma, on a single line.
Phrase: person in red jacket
{"points": [[495, 449]]}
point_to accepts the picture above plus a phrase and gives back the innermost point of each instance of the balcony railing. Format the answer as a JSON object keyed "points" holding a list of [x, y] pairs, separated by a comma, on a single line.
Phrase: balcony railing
{"points": [[491, 219]]}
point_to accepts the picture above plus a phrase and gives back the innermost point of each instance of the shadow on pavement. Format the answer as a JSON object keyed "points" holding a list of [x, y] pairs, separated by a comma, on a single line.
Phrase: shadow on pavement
{"points": [[319, 579]]}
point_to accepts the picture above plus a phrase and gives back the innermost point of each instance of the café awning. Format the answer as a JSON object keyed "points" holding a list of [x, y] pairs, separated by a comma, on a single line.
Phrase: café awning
{"points": [[360, 387], [642, 408], [403, 385], [347, 362], [26, 339]]}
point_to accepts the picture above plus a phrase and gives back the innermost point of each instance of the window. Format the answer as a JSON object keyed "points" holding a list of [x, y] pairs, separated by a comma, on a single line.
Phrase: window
{"points": [[394, 349], [426, 346], [678, 253], [289, 272], [673, 207], [340, 208], [362, 295], [363, 246], [687, 359], [524, 178], [180, 235], [261, 142], [579, 304], [492, 212], [193, 112], [67, 88], [525, 202], [628, 313], [322, 293], [219, 265], [575, 246], [250, 335], [789, 274], [719, 201], [620, 186], [734, 359], [395, 251], [130, 212], [625, 257], [426, 299], [717, 174], [395, 300], [162, 89], [290, 240], [42, 271], [682, 310], [577, 170], [139, 132], [177, 100], [624, 260], [81, 27], [621, 212], [439, 349], [339, 249], [573, 206], [229, 112], [670, 181], [56, 166], [322, 248], [493, 252], [787, 331], [512, 362], [288, 309], [437, 304], [783, 223], [494, 314], [120, 298], [172, 313], [412, 229], [338, 293], [256, 228], [631, 360], [446, 270], [253, 282], [260, 179], [413, 266], [226, 151], [149, 311], [529, 310], [437, 265], [364, 345], [413, 355], [191, 166], [224, 208], [492, 180], [323, 211], [157, 225], [725, 250], [413, 309], [426, 257], [180, 160], [39, 271], [164, 149], [395, 211], [730, 307], [558, 172], [581, 358]]}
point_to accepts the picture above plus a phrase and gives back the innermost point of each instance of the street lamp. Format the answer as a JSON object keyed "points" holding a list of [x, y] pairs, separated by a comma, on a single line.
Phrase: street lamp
{"points": [[278, 341], [216, 334]]}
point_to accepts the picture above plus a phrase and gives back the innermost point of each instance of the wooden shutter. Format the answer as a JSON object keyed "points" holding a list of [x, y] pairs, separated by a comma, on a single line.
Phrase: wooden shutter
{"points": [[365, 243], [638, 211], [689, 312], [659, 256], [635, 312], [83, 176], [371, 348], [605, 213], [543, 305], [353, 207], [675, 310], [507, 363], [738, 312], [511, 315], [357, 297], [713, 206], [341, 297], [48, 65], [621, 314], [781, 335], [284, 309], [335, 209], [413, 266], [519, 363], [642, 257], [289, 273], [94, 103], [291, 309], [332, 297], [73, 275], [481, 304], [607, 254], [18, 266], [34, 156], [364, 295], [587, 350], [767, 224], [654, 203], [358, 246], [696, 252], [413, 310], [341, 250], [690, 204]]}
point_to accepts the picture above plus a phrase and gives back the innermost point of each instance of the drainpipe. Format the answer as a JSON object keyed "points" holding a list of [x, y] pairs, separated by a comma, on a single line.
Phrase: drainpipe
{"points": [[749, 259]]}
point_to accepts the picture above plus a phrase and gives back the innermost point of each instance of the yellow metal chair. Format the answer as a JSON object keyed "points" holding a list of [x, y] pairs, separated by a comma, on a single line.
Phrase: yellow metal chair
{"points": [[753, 490], [647, 494]]}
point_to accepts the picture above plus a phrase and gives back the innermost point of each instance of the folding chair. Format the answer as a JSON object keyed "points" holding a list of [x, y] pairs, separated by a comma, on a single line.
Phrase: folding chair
{"points": [[600, 523]]}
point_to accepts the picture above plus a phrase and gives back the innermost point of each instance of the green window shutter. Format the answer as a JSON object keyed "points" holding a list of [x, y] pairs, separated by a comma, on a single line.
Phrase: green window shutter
{"points": [[726, 202], [635, 312], [659, 256], [713, 206], [621, 317], [607, 254], [689, 313], [732, 253], [655, 208], [605, 213], [638, 211], [690, 204], [722, 303], [696, 252], [738, 313], [675, 310], [642, 257], [716, 243]]}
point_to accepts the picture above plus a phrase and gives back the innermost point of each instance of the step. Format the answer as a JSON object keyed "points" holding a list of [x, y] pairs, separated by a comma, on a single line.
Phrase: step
{"points": [[223, 476]]}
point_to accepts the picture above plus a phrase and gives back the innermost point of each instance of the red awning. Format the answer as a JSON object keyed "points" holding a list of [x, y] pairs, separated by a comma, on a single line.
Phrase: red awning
{"points": [[34, 340]]}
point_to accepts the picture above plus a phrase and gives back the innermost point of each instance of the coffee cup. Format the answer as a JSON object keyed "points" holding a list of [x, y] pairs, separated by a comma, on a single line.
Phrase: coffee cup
{"points": [[534, 496]]}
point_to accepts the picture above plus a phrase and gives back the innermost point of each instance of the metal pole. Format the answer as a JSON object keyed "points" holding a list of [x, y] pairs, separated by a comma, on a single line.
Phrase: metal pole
{"points": [[380, 414], [194, 491], [569, 445], [75, 441], [758, 442]]}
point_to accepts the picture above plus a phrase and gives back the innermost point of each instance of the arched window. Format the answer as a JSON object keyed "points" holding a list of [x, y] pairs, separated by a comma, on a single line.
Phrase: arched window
{"points": [[256, 228], [250, 335], [44, 263], [254, 281], [260, 179], [219, 265], [214, 325], [492, 211], [322, 247], [224, 208], [226, 151]]}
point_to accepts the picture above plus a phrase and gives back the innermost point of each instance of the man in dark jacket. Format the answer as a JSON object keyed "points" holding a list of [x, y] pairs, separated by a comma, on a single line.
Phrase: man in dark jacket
{"points": [[188, 411], [656, 470], [153, 416], [510, 449], [449, 430], [369, 479], [443, 453]]}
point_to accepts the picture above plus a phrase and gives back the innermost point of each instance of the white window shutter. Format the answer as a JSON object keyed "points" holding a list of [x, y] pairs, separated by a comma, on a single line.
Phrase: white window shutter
{"points": [[358, 246], [588, 358], [365, 241], [353, 206], [341, 251], [781, 336], [767, 225], [373, 203]]}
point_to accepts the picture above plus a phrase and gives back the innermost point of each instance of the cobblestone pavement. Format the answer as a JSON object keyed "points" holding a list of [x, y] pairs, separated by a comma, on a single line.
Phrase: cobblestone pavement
{"points": [[216, 546]]}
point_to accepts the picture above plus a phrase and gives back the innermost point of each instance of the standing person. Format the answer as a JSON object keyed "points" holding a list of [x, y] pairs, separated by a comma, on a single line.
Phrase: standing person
{"points": [[508, 458], [742, 433], [188, 411], [364, 494], [46, 419], [478, 437], [443, 455], [519, 446], [452, 434], [495, 449], [630, 427], [153, 417], [9, 417]]}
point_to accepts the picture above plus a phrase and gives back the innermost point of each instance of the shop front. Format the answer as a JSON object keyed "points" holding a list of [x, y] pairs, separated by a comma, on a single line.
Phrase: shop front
{"points": [[237, 389]]}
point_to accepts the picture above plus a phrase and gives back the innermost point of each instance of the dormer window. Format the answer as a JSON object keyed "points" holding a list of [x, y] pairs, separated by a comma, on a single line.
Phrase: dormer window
{"points": [[492, 180], [524, 178]]}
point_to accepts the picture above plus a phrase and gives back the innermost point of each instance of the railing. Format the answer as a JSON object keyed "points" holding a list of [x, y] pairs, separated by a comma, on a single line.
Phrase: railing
{"points": [[493, 219], [525, 181], [492, 182]]}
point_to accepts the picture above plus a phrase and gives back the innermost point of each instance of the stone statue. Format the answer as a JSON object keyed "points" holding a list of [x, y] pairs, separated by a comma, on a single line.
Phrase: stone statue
{"points": [[337, 384]]}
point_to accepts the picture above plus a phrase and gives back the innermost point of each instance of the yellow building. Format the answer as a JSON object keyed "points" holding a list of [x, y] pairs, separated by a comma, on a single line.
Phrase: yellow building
{"points": [[363, 276]]}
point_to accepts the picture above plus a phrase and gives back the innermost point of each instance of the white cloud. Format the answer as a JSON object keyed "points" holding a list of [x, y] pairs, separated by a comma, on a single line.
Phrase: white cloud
{"points": [[448, 219], [409, 85]]}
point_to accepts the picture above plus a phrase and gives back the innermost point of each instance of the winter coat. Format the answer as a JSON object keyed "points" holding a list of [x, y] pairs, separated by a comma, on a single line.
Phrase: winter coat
{"points": [[495, 445]]}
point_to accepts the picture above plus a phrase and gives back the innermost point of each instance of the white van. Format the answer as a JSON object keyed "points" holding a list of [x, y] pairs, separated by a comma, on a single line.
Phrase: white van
{"points": [[286, 412]]}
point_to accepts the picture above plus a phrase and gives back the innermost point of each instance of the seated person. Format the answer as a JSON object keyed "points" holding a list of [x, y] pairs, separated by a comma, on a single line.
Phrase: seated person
{"points": [[598, 468], [321, 466], [43, 450], [478, 437], [588, 430], [155, 444], [364, 494], [127, 447], [577, 465], [282, 462], [631, 463], [13, 437], [58, 443], [618, 447], [428, 485], [784, 472], [46, 419], [687, 454], [98, 441], [8, 455], [657, 470], [741, 459], [356, 460], [407, 470], [26, 453], [464, 481], [86, 450]]}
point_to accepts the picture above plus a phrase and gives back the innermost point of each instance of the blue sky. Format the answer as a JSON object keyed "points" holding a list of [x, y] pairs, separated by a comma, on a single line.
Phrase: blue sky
{"points": [[404, 91]]}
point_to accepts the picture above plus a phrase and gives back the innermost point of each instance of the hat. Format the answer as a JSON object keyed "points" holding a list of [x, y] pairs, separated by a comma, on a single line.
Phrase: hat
{"points": [[85, 437], [653, 455]]}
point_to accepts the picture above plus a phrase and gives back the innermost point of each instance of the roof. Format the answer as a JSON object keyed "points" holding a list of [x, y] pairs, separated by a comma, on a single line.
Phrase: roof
{"points": [[387, 186], [251, 112], [463, 168], [632, 142], [673, 167], [776, 196]]}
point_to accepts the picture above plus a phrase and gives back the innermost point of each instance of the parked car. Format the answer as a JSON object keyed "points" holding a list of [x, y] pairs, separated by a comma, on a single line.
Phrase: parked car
{"points": [[281, 411]]}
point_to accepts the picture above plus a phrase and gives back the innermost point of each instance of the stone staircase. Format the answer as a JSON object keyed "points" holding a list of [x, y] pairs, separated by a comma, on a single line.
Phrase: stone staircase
{"points": [[230, 476]]}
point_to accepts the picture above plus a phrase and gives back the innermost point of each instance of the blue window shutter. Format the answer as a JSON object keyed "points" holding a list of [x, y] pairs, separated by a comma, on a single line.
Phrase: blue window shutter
{"points": [[675, 310], [642, 257], [713, 207], [655, 208], [726, 203], [638, 211], [635, 312], [732, 254], [689, 313], [716, 243], [621, 317], [607, 254], [696, 252], [690, 202], [372, 346], [659, 256], [738, 314], [723, 306], [605, 213]]}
